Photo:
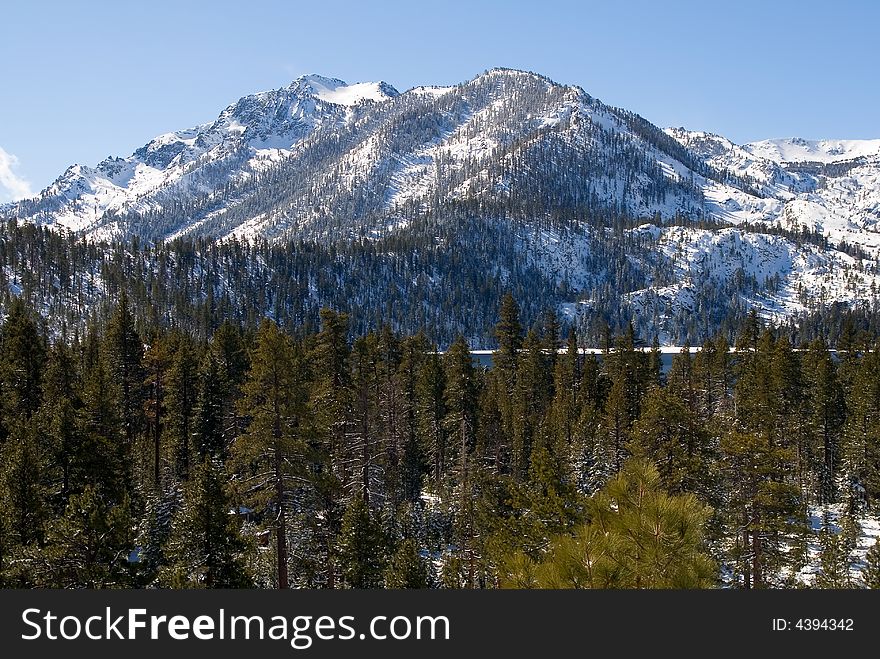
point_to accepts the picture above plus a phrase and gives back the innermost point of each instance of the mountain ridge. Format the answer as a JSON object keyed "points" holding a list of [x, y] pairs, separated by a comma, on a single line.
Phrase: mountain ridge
{"points": [[606, 209], [743, 183]]}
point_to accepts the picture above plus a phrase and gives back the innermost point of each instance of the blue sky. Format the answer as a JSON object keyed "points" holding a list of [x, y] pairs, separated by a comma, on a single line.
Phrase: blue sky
{"points": [[84, 80]]}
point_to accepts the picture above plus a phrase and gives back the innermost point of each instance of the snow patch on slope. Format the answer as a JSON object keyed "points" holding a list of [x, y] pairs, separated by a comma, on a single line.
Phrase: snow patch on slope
{"points": [[797, 149], [332, 90]]}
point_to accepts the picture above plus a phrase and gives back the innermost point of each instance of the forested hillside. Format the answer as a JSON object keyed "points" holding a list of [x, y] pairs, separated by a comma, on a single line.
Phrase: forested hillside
{"points": [[678, 284], [138, 452]]}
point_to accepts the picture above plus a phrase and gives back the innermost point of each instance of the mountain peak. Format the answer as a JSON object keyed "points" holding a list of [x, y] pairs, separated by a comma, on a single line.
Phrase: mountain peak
{"points": [[338, 92]]}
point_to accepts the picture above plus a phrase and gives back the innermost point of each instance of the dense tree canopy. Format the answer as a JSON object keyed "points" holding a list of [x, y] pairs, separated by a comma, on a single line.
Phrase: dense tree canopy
{"points": [[260, 455]]}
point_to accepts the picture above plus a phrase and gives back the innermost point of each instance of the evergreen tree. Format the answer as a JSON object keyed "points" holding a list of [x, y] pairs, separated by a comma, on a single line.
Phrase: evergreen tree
{"points": [[123, 355], [271, 456], [834, 560], [390, 409], [508, 333], [22, 359], [529, 403], [58, 421], [432, 412], [362, 453], [90, 546], [228, 347], [23, 463], [103, 460], [551, 503], [331, 401], [407, 568], [762, 503], [412, 459], [826, 420], [461, 423], [156, 364], [616, 425], [638, 536], [362, 547], [6, 538], [871, 571], [669, 434], [209, 412], [492, 447], [861, 448], [181, 402], [205, 548]]}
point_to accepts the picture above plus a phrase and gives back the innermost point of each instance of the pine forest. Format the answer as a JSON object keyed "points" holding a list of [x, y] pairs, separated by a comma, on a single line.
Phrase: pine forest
{"points": [[313, 452]]}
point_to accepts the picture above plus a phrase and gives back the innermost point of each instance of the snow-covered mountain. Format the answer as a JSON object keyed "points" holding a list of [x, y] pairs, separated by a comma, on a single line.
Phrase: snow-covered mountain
{"points": [[248, 137], [780, 225], [796, 149], [828, 186], [323, 157]]}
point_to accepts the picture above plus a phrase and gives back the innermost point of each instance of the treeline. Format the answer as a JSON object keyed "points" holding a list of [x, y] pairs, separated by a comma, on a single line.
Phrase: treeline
{"points": [[298, 458]]}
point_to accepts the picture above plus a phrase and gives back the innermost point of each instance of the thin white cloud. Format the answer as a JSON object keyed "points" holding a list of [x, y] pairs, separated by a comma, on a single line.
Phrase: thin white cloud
{"points": [[12, 186]]}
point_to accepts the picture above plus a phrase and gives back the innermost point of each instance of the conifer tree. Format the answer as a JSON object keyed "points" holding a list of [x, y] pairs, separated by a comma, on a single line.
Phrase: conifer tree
{"points": [[270, 456], [680, 380], [59, 415], [861, 447], [871, 571], [638, 536], [124, 352], [205, 548], [90, 546], [156, 364], [550, 343], [616, 424], [532, 397], [361, 451], [551, 502], [22, 464], [407, 568], [461, 423], [834, 561], [22, 359], [103, 459], [390, 408], [432, 412], [412, 459], [492, 448], [208, 415], [763, 504], [668, 434], [181, 402], [362, 547], [508, 333], [331, 401], [826, 420], [228, 347], [6, 538]]}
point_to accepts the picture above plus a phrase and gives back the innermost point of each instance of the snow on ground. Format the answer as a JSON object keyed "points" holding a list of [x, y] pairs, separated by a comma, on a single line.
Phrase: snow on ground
{"points": [[778, 277], [843, 204], [869, 533], [805, 272], [342, 94], [797, 149], [560, 256]]}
